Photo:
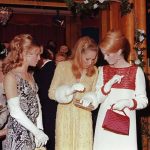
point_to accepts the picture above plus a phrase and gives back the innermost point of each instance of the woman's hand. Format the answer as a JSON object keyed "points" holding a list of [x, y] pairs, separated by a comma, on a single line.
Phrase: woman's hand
{"points": [[89, 98], [121, 104], [115, 79]]}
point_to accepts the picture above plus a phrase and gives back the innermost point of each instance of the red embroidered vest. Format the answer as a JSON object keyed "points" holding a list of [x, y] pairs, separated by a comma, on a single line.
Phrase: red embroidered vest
{"points": [[127, 82]]}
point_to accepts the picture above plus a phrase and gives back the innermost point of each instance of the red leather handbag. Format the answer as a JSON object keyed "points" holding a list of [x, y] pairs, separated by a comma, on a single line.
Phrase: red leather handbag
{"points": [[116, 122]]}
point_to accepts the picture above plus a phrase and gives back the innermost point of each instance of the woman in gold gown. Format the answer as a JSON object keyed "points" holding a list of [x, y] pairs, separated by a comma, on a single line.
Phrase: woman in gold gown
{"points": [[72, 79]]}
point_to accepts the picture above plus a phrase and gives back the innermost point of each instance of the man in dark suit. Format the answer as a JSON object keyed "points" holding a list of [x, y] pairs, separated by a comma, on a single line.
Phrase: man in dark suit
{"points": [[43, 76]]}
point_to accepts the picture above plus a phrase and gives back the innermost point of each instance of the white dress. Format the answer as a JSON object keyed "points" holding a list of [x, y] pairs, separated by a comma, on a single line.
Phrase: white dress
{"points": [[131, 87]]}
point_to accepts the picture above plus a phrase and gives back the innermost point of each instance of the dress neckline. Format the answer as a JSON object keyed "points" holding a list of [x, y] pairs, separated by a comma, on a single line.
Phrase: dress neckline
{"points": [[120, 67], [32, 85]]}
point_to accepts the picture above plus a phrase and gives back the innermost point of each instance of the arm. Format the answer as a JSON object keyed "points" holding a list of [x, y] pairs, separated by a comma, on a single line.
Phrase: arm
{"points": [[100, 96], [139, 100], [92, 96], [56, 81], [16, 111], [3, 116], [140, 90], [102, 90], [39, 118], [59, 91]]}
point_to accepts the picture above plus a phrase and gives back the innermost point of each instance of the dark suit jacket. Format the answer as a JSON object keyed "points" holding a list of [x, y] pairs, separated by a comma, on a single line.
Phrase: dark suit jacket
{"points": [[43, 78]]}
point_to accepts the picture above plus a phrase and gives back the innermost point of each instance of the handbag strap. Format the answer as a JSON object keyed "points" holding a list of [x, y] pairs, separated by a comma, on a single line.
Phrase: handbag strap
{"points": [[118, 110]]}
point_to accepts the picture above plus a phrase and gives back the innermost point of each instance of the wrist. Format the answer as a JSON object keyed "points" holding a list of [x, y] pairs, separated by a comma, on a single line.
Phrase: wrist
{"points": [[69, 91], [134, 104], [105, 92]]}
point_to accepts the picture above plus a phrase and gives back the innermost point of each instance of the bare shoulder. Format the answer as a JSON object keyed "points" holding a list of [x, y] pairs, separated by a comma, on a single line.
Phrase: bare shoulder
{"points": [[10, 85], [9, 78]]}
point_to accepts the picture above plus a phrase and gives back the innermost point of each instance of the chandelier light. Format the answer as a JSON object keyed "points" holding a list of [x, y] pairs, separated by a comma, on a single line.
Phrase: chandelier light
{"points": [[5, 14]]}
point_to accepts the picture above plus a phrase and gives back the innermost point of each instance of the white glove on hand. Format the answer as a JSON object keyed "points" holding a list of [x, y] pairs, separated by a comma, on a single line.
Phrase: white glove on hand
{"points": [[40, 138], [115, 79], [39, 118], [64, 93], [89, 98], [17, 113], [75, 87], [121, 104]]}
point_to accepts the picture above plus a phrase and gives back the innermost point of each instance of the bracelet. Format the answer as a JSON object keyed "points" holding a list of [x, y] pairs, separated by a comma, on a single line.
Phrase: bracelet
{"points": [[135, 105], [104, 93]]}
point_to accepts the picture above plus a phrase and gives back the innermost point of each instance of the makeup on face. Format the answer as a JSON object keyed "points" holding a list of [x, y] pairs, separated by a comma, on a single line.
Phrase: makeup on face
{"points": [[88, 57], [111, 58]]}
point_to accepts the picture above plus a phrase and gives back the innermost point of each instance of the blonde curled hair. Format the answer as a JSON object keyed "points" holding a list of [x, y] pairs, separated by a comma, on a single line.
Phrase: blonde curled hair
{"points": [[19, 44], [82, 45]]}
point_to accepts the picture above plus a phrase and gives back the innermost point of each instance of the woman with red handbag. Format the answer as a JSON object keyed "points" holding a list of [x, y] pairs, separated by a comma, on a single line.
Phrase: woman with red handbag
{"points": [[120, 86]]}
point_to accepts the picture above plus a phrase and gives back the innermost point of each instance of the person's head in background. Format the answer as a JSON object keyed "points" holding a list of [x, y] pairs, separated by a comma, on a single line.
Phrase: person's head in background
{"points": [[84, 56], [6, 44], [52, 47], [24, 52], [3, 54], [115, 47], [66, 50], [63, 54], [60, 57], [45, 56], [63, 49]]}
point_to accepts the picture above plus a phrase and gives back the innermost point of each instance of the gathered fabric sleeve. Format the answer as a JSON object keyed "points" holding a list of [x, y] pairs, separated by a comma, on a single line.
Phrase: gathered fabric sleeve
{"points": [[56, 81], [95, 80], [100, 83], [140, 90]]}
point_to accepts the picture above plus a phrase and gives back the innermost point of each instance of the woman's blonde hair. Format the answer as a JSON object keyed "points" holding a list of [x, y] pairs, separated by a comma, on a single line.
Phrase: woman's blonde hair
{"points": [[82, 45], [19, 44], [114, 41]]}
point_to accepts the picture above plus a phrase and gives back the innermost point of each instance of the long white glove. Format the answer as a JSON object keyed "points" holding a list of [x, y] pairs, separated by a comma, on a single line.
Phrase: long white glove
{"points": [[20, 116], [121, 104], [89, 98], [115, 79], [39, 118], [64, 93]]}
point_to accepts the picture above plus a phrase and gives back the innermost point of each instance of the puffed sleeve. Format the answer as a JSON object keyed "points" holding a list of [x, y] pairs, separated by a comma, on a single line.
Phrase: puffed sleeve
{"points": [[140, 89], [95, 79], [56, 81], [100, 96]]}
